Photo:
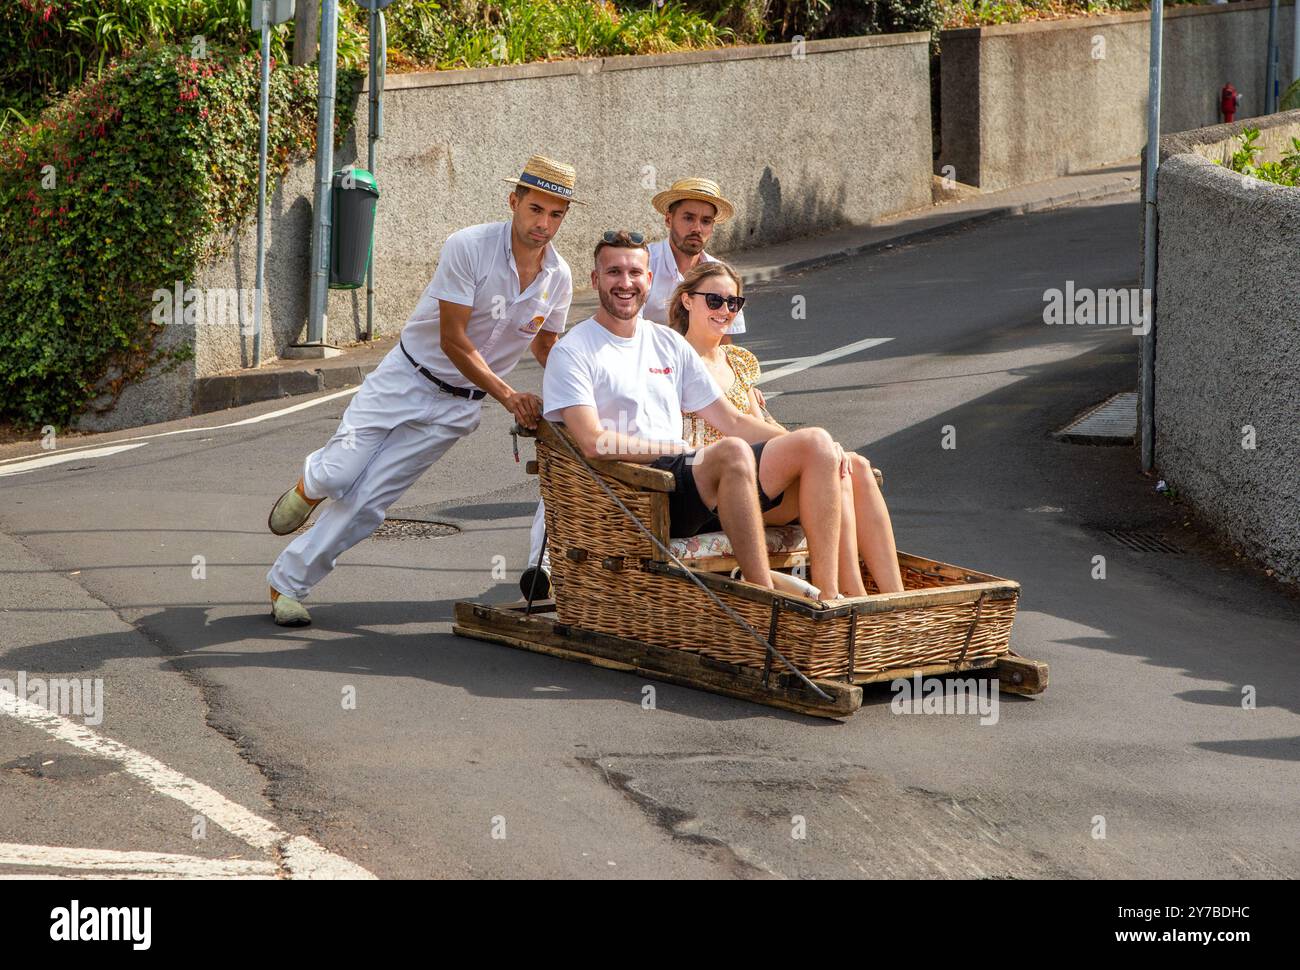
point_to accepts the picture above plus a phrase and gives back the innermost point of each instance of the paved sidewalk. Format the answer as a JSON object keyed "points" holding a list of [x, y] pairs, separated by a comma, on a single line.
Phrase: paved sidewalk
{"points": [[286, 378]]}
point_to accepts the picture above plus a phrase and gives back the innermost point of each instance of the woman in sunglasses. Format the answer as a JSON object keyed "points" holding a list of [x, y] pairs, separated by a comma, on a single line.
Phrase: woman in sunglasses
{"points": [[702, 308]]}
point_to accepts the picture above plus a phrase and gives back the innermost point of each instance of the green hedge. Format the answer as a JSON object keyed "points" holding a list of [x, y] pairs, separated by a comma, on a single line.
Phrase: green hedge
{"points": [[153, 162]]}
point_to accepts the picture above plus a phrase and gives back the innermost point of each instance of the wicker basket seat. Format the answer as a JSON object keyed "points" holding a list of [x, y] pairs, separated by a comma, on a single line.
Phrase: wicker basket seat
{"points": [[609, 578]]}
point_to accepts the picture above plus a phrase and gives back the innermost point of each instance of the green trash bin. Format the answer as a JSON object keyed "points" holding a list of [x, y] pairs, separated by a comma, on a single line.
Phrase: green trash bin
{"points": [[353, 201]]}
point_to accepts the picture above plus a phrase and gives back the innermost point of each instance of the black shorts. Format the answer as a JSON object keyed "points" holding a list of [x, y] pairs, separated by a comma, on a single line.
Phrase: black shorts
{"points": [[687, 513]]}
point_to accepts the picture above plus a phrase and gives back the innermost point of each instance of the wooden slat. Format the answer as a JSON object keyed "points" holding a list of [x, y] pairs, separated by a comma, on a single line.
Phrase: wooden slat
{"points": [[925, 670], [1019, 675], [947, 570], [629, 473], [863, 605], [543, 635], [659, 520], [725, 564]]}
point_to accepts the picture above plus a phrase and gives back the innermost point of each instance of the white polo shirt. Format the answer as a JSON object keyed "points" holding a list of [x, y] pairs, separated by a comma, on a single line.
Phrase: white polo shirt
{"points": [[477, 269], [665, 280]]}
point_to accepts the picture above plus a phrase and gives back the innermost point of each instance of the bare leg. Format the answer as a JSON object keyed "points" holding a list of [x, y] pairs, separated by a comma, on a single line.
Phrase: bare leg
{"points": [[874, 529], [726, 480], [809, 456], [850, 567], [787, 511]]}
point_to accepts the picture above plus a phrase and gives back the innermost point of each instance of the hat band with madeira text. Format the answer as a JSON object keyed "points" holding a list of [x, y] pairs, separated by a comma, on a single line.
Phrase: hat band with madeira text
{"points": [[555, 188]]}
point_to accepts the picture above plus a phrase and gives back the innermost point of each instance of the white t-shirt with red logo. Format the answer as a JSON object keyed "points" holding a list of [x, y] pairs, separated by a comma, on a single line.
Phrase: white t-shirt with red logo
{"points": [[638, 385]]}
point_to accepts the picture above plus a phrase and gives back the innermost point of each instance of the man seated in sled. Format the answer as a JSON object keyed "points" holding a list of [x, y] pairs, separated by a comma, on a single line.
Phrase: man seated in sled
{"points": [[620, 384]]}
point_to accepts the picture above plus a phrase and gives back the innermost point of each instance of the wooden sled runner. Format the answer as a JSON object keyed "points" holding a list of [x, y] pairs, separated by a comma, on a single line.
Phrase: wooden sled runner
{"points": [[627, 597]]}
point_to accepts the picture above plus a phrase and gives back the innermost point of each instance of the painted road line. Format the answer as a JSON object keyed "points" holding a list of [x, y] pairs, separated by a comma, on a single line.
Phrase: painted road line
{"points": [[110, 860], [44, 461], [803, 363], [256, 419], [301, 857], [797, 364]]}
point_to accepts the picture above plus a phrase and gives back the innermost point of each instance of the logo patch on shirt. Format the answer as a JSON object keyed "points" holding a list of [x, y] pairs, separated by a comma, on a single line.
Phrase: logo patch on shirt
{"points": [[661, 370], [533, 325]]}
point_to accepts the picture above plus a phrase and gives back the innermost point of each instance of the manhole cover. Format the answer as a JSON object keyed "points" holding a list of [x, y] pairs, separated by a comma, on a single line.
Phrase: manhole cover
{"points": [[414, 529], [1143, 541], [1113, 422]]}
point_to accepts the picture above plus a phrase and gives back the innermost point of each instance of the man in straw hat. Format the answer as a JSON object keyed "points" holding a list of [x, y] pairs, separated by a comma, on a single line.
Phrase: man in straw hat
{"points": [[691, 208], [500, 289]]}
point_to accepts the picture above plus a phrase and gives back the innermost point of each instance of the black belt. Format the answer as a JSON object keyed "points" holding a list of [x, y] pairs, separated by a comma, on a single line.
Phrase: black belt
{"points": [[449, 388]]}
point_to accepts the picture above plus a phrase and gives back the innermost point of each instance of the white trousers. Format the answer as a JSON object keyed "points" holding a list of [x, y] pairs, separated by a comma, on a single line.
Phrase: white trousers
{"points": [[397, 425], [536, 536]]}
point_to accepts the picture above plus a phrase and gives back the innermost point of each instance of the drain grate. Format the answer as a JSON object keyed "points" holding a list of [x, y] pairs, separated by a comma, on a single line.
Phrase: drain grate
{"points": [[1142, 541], [415, 529], [1114, 421]]}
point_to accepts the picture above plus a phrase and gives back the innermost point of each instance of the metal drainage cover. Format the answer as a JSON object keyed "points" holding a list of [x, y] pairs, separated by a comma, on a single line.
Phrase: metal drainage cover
{"points": [[1113, 422], [1142, 541], [414, 529]]}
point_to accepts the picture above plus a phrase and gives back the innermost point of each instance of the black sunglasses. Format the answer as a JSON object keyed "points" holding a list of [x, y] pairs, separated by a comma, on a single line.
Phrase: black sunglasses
{"points": [[715, 300], [613, 236]]}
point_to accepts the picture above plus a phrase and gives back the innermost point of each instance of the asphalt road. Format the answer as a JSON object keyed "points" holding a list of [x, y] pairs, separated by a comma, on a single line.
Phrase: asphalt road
{"points": [[453, 743]]}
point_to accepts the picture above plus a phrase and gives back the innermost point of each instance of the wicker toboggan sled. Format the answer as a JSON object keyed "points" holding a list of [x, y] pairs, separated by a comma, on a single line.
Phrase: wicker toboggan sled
{"points": [[621, 601]]}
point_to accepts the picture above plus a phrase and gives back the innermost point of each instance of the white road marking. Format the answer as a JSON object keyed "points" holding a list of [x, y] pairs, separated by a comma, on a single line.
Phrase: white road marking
{"points": [[256, 419], [803, 363], [301, 857], [797, 364], [110, 860], [43, 461]]}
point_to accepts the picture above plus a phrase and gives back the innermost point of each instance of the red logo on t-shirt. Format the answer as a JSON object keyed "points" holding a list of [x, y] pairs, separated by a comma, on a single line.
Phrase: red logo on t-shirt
{"points": [[661, 370]]}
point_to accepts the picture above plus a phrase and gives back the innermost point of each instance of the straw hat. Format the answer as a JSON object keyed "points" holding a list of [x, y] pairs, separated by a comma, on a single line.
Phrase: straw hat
{"points": [[703, 190], [544, 174]]}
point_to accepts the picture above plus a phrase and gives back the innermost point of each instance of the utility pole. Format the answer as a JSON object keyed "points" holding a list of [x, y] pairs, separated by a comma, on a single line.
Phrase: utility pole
{"points": [[318, 292], [1147, 385], [1270, 84]]}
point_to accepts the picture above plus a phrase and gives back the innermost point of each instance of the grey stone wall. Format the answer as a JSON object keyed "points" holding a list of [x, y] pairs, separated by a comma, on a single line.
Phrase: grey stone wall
{"points": [[1026, 102], [801, 144], [1228, 353]]}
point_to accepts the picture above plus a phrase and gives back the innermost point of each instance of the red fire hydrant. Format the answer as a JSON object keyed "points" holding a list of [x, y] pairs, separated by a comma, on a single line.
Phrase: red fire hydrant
{"points": [[1228, 99]]}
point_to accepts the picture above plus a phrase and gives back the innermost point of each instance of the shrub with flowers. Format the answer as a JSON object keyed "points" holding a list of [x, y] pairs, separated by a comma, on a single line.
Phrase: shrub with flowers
{"points": [[126, 184]]}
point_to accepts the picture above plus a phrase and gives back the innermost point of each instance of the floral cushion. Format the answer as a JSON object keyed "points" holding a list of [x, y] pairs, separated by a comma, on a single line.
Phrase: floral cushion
{"points": [[780, 540]]}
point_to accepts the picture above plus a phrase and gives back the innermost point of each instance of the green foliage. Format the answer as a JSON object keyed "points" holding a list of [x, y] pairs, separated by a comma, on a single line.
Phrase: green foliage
{"points": [[152, 163], [424, 33], [1246, 161], [1290, 97], [47, 47], [977, 13]]}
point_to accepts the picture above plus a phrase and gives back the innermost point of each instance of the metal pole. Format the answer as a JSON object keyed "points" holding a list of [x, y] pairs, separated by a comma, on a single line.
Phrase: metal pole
{"points": [[1147, 387], [320, 236], [264, 119], [1295, 46], [378, 57], [1270, 84]]}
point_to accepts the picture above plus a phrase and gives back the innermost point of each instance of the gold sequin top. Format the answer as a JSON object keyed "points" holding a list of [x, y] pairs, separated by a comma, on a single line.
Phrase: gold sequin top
{"points": [[695, 430]]}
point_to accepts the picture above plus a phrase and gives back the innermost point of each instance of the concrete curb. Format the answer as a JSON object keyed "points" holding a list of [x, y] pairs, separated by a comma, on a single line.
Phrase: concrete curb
{"points": [[234, 390]]}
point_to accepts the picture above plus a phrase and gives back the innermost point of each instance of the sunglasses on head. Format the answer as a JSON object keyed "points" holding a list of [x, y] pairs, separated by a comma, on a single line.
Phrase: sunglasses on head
{"points": [[714, 301], [613, 236]]}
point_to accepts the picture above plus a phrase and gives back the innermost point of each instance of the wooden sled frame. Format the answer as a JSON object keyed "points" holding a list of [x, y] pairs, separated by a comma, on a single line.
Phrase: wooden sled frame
{"points": [[538, 629], [513, 626]]}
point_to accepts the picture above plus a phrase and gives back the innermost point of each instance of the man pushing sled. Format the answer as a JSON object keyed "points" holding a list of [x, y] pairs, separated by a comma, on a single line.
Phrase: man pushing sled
{"points": [[500, 289]]}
